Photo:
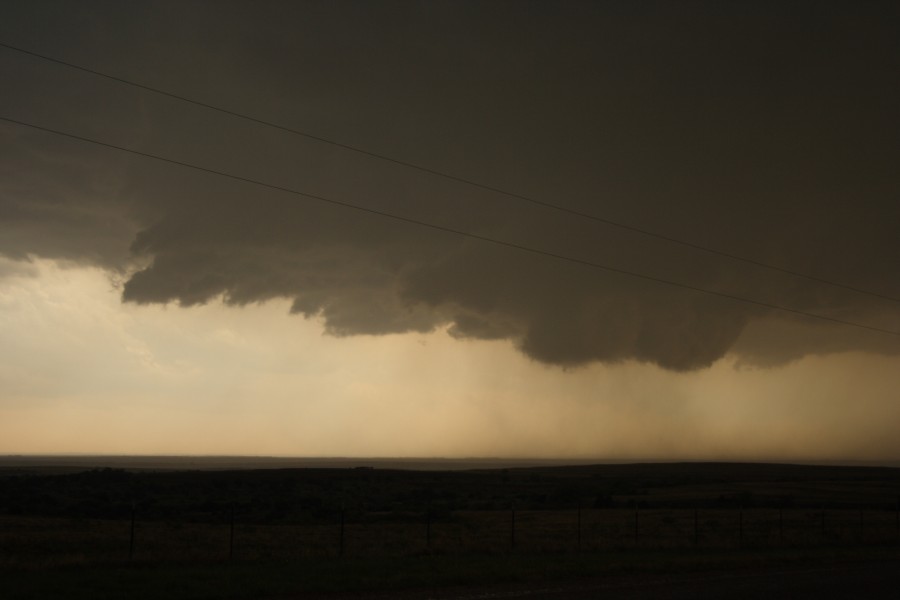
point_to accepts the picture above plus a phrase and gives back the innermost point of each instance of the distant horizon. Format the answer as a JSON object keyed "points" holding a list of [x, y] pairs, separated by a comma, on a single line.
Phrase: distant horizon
{"points": [[78, 459]]}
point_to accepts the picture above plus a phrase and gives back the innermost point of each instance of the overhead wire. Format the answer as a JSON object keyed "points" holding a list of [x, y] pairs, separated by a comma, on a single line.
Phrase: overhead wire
{"points": [[446, 229], [456, 178]]}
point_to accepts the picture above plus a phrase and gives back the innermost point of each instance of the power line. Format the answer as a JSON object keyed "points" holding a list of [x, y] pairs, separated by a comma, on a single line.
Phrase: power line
{"points": [[456, 178], [482, 238]]}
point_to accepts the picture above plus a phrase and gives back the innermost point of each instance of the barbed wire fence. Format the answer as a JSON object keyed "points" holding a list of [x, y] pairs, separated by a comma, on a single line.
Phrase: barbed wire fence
{"points": [[232, 533]]}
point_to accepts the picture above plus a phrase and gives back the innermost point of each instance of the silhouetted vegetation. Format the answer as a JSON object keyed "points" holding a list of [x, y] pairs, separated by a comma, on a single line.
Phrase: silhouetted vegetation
{"points": [[634, 513], [296, 496]]}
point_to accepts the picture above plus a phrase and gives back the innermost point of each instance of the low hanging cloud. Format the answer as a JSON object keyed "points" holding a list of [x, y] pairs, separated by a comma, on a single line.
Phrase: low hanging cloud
{"points": [[772, 153]]}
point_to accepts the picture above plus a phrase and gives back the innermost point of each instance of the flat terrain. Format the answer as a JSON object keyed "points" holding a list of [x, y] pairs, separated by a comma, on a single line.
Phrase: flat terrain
{"points": [[877, 579], [635, 530], [874, 580]]}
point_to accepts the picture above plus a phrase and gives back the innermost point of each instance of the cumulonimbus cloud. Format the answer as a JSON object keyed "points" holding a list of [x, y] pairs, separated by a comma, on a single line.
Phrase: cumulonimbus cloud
{"points": [[798, 171]]}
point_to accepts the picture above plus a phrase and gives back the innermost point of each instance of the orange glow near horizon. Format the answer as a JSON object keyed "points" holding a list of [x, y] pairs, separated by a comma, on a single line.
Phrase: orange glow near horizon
{"points": [[85, 373]]}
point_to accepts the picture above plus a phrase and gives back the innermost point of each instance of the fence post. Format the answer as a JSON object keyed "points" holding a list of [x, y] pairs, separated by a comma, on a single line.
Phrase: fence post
{"points": [[635, 524], [781, 525], [512, 527], [231, 535], [428, 528], [341, 535], [696, 527], [131, 536], [579, 528], [862, 531]]}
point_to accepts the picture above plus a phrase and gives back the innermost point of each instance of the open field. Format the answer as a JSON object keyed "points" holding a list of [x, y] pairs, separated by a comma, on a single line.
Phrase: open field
{"points": [[338, 527], [37, 541], [422, 576]]}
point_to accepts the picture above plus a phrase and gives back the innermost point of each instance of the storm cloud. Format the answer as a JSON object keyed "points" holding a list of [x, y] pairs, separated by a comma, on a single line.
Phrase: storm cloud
{"points": [[769, 133]]}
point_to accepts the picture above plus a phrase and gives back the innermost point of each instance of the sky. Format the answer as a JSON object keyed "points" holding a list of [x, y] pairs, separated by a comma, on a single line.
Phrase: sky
{"points": [[615, 230]]}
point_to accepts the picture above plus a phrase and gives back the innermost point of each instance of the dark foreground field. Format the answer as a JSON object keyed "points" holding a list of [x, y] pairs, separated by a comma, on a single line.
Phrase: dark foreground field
{"points": [[70, 532]]}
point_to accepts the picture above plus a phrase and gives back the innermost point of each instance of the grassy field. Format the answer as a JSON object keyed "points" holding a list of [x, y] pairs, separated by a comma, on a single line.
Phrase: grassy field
{"points": [[263, 534], [336, 576], [48, 541]]}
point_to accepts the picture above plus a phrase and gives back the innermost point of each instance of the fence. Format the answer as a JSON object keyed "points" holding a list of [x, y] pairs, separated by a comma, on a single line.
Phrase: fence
{"points": [[45, 541]]}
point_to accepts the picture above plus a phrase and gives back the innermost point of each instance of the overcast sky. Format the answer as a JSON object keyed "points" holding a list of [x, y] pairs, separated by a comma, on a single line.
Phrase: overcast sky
{"points": [[150, 307]]}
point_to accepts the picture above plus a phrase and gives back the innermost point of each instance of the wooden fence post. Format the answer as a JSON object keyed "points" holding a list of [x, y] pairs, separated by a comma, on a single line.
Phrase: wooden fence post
{"points": [[781, 525], [512, 527], [131, 536], [696, 527], [341, 535], [635, 524], [428, 528], [579, 528], [231, 536]]}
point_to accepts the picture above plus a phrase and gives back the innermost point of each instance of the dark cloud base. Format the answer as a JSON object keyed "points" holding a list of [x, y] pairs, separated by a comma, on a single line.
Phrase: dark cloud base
{"points": [[752, 130]]}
